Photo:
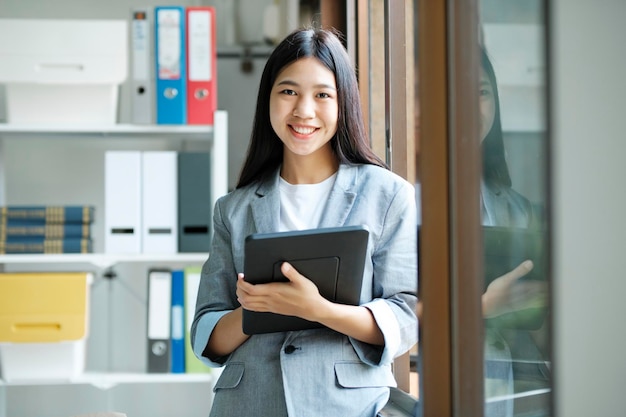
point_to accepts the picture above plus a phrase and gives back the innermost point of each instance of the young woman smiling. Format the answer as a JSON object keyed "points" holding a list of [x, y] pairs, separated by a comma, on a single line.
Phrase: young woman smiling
{"points": [[309, 165]]}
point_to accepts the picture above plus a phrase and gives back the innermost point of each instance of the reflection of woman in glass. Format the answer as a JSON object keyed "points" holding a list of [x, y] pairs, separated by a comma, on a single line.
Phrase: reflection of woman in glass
{"points": [[502, 206]]}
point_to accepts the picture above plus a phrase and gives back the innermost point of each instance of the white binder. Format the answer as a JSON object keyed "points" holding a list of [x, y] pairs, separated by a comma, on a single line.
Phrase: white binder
{"points": [[122, 202], [142, 66], [159, 202], [159, 320]]}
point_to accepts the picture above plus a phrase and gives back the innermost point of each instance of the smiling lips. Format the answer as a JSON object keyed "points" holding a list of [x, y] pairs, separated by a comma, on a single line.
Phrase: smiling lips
{"points": [[303, 130]]}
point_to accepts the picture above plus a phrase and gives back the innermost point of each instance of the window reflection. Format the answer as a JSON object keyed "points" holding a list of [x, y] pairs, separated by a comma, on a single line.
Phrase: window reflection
{"points": [[515, 301]]}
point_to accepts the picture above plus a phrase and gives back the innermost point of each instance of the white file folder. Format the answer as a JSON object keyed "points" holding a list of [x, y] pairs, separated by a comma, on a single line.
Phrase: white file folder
{"points": [[122, 202], [142, 66], [159, 320], [160, 202]]}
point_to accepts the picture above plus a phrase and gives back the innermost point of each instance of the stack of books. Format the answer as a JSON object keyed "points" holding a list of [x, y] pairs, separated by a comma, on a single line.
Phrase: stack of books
{"points": [[46, 229]]}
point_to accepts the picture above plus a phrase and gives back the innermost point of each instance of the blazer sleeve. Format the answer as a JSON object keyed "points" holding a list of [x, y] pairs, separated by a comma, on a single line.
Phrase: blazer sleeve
{"points": [[217, 290], [394, 280]]}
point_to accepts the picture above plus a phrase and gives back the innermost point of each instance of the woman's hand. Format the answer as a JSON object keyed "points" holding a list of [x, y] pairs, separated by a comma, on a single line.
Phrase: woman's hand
{"points": [[507, 294], [298, 297]]}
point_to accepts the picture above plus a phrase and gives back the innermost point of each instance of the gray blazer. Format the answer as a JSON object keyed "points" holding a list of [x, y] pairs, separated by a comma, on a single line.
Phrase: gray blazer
{"points": [[316, 372]]}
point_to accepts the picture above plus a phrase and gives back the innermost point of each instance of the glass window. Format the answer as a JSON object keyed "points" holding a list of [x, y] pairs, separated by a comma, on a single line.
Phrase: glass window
{"points": [[513, 190]]}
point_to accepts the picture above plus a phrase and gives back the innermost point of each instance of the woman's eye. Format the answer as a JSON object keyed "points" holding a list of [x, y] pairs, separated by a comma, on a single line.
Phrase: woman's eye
{"points": [[289, 92], [323, 95], [484, 92]]}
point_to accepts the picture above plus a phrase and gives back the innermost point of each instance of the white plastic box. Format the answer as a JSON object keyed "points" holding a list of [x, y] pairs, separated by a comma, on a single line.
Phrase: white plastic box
{"points": [[63, 71], [59, 361], [44, 320]]}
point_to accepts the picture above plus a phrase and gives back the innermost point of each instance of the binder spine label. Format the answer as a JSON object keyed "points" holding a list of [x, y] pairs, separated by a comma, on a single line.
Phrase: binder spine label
{"points": [[160, 291], [177, 322], [169, 45], [141, 47], [199, 46]]}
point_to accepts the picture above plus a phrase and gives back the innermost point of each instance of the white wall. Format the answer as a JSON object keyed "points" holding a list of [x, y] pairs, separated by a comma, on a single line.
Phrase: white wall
{"points": [[589, 146]]}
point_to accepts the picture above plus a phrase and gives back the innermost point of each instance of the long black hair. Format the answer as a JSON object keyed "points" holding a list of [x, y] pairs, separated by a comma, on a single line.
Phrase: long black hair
{"points": [[495, 168], [350, 143]]}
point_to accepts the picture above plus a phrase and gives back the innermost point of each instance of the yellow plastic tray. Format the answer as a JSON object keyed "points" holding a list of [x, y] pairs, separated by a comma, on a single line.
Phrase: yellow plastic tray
{"points": [[40, 307]]}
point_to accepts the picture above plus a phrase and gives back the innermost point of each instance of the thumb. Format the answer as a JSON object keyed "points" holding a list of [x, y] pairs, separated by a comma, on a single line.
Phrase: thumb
{"points": [[289, 271]]}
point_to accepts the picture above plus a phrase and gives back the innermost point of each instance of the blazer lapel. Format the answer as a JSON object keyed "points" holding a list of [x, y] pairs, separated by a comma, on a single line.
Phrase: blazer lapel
{"points": [[266, 208], [341, 197]]}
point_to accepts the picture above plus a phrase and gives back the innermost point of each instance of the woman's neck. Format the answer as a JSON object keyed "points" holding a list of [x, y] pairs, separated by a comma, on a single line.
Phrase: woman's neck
{"points": [[310, 169]]}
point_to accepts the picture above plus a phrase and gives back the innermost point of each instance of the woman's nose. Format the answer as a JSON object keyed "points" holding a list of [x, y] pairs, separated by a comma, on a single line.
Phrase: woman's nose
{"points": [[304, 108]]}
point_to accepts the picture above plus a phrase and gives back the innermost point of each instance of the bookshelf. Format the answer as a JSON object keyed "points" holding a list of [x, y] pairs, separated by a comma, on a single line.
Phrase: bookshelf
{"points": [[115, 375]]}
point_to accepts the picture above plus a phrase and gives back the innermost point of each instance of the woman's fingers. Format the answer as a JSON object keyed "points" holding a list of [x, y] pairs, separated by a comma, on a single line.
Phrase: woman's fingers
{"points": [[521, 270]]}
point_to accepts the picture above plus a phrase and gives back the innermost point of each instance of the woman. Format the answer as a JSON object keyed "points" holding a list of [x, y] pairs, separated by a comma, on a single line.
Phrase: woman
{"points": [[308, 166]]}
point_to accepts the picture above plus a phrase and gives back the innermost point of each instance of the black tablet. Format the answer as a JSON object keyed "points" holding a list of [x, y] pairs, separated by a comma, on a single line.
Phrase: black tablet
{"points": [[333, 258]]}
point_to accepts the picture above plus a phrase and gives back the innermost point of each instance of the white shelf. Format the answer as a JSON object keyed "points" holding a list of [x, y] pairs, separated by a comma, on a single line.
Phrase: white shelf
{"points": [[106, 380], [102, 260], [108, 131]]}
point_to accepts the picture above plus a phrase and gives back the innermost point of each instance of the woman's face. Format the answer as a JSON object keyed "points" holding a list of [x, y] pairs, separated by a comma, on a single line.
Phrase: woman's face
{"points": [[304, 107], [487, 105]]}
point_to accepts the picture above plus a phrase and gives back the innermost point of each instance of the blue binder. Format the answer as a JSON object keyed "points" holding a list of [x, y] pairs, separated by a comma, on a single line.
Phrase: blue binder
{"points": [[171, 76], [178, 322]]}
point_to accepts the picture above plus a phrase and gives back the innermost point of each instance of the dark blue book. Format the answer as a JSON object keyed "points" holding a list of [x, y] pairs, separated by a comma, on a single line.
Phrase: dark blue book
{"points": [[19, 230], [48, 214], [69, 245]]}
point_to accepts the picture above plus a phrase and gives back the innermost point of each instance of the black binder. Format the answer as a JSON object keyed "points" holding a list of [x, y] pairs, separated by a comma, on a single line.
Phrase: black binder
{"points": [[194, 201]]}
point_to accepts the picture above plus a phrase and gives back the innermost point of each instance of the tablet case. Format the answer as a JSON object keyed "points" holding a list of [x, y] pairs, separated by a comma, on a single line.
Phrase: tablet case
{"points": [[333, 258]]}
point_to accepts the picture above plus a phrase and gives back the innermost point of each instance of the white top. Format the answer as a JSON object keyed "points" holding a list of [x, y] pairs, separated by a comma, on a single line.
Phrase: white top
{"points": [[301, 205]]}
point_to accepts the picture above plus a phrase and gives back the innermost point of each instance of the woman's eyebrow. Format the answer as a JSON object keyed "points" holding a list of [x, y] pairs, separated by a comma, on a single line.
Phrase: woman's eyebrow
{"points": [[295, 84]]}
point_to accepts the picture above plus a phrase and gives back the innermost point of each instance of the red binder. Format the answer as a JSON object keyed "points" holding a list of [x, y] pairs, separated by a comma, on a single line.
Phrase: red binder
{"points": [[201, 65]]}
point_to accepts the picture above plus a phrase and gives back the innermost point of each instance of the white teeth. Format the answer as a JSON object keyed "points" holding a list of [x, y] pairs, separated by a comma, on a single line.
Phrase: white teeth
{"points": [[303, 130]]}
